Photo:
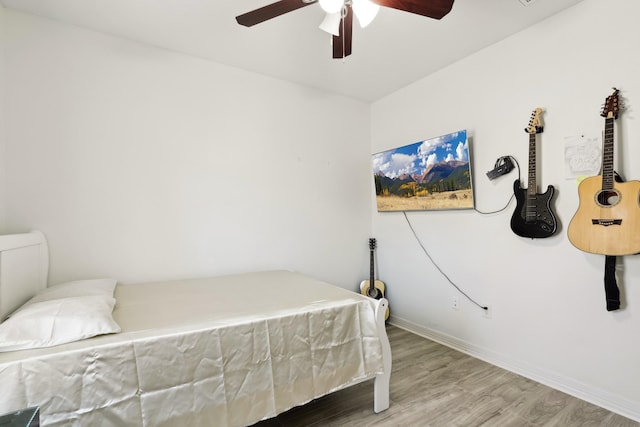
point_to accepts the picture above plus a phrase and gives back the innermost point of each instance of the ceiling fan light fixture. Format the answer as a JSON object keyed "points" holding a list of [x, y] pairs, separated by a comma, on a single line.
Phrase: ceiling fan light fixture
{"points": [[331, 6], [331, 23], [365, 11]]}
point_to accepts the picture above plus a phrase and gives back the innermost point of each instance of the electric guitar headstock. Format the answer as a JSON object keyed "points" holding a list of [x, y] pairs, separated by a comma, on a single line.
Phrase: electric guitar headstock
{"points": [[535, 122], [372, 244], [611, 105]]}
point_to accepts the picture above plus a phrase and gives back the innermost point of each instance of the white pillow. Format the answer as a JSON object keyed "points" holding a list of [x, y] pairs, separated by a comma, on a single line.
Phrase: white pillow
{"points": [[58, 321], [78, 288]]}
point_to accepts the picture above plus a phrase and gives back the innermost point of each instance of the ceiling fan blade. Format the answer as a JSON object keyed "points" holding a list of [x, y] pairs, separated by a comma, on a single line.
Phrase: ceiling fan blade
{"points": [[271, 11], [342, 43], [431, 8]]}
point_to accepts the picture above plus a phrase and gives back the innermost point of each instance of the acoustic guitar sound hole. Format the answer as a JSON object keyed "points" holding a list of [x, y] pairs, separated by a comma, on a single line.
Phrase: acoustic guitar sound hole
{"points": [[608, 198], [373, 293]]}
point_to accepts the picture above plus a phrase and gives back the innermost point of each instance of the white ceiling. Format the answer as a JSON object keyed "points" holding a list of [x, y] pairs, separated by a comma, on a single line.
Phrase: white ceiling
{"points": [[397, 49]]}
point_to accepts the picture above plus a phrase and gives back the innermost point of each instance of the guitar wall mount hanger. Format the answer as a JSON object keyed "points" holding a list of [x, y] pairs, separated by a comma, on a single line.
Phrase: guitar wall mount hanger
{"points": [[503, 166]]}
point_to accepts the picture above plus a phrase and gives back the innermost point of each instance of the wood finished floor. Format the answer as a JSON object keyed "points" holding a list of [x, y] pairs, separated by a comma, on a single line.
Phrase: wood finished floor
{"points": [[435, 386]]}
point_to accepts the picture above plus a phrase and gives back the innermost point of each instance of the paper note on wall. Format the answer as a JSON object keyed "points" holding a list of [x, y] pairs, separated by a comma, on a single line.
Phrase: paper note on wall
{"points": [[582, 156]]}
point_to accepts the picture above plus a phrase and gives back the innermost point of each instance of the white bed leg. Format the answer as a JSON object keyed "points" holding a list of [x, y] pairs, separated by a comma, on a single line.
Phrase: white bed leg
{"points": [[381, 382]]}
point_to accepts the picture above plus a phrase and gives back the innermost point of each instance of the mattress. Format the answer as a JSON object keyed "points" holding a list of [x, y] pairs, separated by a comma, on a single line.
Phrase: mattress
{"points": [[223, 351]]}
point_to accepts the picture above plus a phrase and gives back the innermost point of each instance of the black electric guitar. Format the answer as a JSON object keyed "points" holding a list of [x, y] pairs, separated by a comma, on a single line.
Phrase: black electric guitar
{"points": [[608, 217], [373, 288], [533, 216]]}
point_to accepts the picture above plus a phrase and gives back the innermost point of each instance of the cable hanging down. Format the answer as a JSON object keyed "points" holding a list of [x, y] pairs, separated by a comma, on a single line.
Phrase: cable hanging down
{"points": [[484, 307]]}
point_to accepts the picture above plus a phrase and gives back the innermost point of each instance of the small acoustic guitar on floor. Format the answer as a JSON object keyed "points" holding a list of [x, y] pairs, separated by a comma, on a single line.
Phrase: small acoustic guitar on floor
{"points": [[373, 288], [533, 216], [607, 221]]}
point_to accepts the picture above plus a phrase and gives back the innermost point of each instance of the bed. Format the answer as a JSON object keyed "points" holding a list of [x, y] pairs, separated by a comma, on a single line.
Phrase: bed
{"points": [[223, 351]]}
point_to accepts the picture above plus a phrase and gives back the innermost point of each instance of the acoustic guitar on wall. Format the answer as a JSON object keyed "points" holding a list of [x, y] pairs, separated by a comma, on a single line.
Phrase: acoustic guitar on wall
{"points": [[607, 221], [533, 216], [373, 288]]}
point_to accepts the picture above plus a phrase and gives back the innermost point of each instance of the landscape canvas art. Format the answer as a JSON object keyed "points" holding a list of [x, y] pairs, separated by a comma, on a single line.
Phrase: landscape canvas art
{"points": [[433, 174]]}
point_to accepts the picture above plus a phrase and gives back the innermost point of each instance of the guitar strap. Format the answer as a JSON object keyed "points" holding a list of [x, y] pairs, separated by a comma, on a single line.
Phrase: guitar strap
{"points": [[611, 291]]}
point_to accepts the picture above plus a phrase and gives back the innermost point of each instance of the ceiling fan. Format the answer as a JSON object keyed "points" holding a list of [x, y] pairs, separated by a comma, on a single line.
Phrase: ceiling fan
{"points": [[339, 18]]}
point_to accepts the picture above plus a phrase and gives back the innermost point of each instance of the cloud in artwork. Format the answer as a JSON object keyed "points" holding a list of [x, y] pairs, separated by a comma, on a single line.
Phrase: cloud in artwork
{"points": [[462, 152], [416, 158], [395, 164]]}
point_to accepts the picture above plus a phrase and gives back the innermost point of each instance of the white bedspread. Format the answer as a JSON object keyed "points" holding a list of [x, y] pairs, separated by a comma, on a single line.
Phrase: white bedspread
{"points": [[225, 351]]}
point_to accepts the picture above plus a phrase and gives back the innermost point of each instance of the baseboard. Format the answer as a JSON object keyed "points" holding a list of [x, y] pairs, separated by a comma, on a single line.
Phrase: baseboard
{"points": [[577, 389]]}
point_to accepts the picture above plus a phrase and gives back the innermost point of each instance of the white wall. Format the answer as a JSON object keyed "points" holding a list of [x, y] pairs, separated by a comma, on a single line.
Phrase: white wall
{"points": [[144, 164], [2, 126], [547, 303]]}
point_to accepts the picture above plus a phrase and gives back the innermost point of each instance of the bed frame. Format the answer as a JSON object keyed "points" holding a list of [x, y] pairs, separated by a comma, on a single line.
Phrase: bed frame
{"points": [[24, 265]]}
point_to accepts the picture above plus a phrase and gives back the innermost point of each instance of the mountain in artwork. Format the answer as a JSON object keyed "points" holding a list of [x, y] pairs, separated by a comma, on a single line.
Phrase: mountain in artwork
{"points": [[443, 176]]}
